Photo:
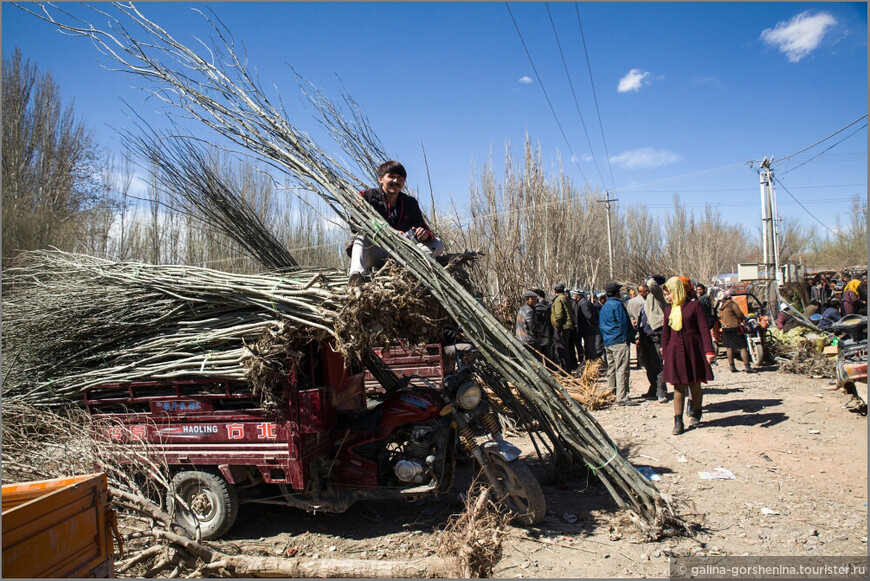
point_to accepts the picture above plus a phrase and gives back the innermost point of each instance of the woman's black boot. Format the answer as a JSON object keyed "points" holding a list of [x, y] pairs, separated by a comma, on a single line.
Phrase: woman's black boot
{"points": [[695, 418], [678, 426]]}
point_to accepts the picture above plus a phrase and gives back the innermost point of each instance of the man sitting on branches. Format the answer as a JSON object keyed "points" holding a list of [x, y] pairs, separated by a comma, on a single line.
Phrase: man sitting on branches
{"points": [[401, 211]]}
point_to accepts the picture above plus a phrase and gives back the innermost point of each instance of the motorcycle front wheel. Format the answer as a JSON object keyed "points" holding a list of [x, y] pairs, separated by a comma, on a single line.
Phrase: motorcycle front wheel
{"points": [[523, 495]]}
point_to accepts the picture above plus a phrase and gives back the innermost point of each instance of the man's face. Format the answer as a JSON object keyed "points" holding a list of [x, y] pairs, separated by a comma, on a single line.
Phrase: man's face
{"points": [[699, 290], [642, 291], [576, 298], [532, 301], [392, 183]]}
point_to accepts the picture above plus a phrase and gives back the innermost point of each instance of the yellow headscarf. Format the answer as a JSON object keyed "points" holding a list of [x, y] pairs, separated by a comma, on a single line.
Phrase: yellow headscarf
{"points": [[678, 297], [853, 285]]}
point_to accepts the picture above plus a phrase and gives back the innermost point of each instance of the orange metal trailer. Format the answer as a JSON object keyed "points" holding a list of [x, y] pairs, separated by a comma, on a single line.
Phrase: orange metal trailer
{"points": [[58, 528]]}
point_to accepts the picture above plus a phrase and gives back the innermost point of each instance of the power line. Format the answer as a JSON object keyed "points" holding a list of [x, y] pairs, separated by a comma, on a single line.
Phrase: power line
{"points": [[595, 96], [825, 139], [574, 94], [735, 204], [824, 150], [541, 82], [712, 190], [813, 216], [628, 189]]}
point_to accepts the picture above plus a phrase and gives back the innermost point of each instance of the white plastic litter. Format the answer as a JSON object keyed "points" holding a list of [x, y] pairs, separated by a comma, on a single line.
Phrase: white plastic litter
{"points": [[718, 474]]}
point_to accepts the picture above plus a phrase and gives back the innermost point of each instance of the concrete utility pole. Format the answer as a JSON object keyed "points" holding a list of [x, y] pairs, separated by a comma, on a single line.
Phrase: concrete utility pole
{"points": [[607, 201], [769, 238]]}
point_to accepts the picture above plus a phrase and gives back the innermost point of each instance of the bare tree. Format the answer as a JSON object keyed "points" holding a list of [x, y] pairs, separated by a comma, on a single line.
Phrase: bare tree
{"points": [[49, 161], [848, 246]]}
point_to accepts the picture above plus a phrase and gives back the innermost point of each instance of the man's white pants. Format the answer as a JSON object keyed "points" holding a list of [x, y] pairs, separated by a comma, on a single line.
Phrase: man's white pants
{"points": [[364, 255]]}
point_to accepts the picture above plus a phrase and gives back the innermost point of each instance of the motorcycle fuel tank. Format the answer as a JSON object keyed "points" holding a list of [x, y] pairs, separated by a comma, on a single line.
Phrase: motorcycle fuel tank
{"points": [[412, 404]]}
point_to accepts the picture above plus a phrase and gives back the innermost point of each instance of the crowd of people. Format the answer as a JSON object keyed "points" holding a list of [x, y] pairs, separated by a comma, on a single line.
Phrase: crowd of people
{"points": [[672, 324], [829, 301]]}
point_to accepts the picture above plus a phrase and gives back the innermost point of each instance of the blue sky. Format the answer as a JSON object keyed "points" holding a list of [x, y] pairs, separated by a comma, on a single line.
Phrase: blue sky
{"points": [[687, 92]]}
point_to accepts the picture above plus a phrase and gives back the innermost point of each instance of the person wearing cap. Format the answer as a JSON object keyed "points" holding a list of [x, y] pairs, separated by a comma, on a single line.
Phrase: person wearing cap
{"points": [[600, 299], [576, 297], [562, 319], [402, 213], [588, 326], [784, 321], [633, 306], [544, 328], [617, 333], [526, 325]]}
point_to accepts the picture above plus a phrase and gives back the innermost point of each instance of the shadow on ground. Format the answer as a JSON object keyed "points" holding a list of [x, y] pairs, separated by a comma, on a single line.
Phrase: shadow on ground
{"points": [[743, 412], [577, 494]]}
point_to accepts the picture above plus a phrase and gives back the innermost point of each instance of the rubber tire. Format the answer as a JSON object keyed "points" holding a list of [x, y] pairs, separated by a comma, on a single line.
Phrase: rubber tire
{"points": [[223, 502], [756, 354], [525, 498]]}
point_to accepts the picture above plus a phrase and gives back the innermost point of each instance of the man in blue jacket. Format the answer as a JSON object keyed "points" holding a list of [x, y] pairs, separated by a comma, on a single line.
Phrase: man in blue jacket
{"points": [[617, 333]]}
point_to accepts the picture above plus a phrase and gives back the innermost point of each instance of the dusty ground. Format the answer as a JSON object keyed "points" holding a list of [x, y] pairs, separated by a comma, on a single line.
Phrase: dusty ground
{"points": [[799, 457]]}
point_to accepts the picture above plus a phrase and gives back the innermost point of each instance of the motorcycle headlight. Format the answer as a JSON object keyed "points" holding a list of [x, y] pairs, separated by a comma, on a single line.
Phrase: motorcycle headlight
{"points": [[468, 396]]}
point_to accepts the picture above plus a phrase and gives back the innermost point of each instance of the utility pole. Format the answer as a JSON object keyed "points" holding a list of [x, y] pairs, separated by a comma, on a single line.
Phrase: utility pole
{"points": [[607, 201], [769, 237]]}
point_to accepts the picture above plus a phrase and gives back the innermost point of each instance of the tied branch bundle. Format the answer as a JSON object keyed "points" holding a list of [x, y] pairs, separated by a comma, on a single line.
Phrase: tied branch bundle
{"points": [[74, 321]]}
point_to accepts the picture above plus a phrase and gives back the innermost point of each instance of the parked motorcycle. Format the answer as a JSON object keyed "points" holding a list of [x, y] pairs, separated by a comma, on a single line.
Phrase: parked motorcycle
{"points": [[754, 329], [852, 355], [406, 447]]}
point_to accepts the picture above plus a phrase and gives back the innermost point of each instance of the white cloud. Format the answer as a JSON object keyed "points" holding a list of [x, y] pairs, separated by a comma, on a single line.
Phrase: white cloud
{"points": [[798, 37], [632, 81], [587, 158], [526, 80], [645, 157]]}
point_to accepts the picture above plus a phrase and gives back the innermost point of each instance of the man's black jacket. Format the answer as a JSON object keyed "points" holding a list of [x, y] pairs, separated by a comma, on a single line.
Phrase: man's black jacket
{"points": [[403, 215]]}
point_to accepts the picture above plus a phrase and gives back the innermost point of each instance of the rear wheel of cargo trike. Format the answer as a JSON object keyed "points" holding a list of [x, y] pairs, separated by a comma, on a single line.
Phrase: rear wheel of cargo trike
{"points": [[213, 502]]}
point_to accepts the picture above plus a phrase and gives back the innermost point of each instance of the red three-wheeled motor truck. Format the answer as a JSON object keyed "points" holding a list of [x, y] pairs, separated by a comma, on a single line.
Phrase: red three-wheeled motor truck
{"points": [[322, 446]]}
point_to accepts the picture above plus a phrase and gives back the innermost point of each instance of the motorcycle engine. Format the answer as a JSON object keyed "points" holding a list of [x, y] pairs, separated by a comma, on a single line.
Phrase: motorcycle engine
{"points": [[414, 460]]}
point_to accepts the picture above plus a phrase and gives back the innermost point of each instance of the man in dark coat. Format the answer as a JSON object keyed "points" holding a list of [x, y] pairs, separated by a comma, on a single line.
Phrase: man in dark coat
{"points": [[544, 328], [562, 319], [588, 326], [649, 348], [527, 324], [402, 213], [576, 297]]}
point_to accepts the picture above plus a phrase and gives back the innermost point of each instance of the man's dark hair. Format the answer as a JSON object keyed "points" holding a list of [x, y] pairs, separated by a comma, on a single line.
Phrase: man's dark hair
{"points": [[392, 167], [701, 286]]}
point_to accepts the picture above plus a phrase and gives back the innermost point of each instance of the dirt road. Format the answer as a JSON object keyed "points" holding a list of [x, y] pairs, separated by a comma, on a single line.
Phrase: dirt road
{"points": [[799, 461]]}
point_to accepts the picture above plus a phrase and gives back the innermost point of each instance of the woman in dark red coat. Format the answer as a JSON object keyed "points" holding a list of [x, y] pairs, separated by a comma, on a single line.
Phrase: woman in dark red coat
{"points": [[687, 351]]}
